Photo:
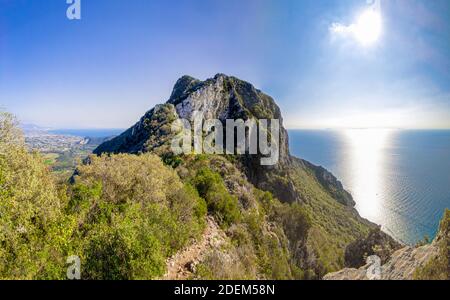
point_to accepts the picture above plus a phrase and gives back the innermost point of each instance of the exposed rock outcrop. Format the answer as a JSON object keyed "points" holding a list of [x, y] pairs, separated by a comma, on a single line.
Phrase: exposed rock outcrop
{"points": [[401, 266], [423, 262], [376, 243]]}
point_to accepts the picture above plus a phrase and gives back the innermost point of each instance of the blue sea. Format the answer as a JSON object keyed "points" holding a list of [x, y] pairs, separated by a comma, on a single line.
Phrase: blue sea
{"points": [[93, 133], [400, 179]]}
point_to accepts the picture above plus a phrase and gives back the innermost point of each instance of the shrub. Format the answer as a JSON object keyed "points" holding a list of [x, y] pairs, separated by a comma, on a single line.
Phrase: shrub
{"points": [[438, 268], [31, 237], [295, 221], [126, 248], [220, 203]]}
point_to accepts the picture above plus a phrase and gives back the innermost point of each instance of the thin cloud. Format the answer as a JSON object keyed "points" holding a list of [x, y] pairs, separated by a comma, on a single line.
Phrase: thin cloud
{"points": [[340, 29]]}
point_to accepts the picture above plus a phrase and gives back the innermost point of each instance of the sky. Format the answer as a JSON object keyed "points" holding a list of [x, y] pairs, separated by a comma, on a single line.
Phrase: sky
{"points": [[326, 63]]}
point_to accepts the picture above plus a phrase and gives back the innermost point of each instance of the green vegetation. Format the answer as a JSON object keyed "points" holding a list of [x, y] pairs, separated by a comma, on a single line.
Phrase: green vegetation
{"points": [[376, 243], [132, 213], [31, 219], [334, 225], [124, 215], [438, 268], [266, 238], [220, 203]]}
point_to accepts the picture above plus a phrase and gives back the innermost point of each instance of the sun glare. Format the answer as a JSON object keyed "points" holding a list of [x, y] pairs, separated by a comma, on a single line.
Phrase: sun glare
{"points": [[367, 28], [367, 158]]}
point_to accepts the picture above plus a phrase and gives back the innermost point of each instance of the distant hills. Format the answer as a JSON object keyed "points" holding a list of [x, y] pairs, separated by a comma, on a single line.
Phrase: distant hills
{"points": [[33, 128]]}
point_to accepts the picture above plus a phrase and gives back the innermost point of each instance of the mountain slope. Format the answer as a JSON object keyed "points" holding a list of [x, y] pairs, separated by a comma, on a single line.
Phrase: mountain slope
{"points": [[335, 221]]}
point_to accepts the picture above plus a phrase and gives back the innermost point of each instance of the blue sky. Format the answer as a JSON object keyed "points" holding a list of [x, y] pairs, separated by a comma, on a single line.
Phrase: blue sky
{"points": [[123, 57]]}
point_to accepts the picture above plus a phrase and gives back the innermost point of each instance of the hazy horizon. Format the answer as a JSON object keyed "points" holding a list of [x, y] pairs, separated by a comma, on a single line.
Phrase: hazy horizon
{"points": [[24, 124], [327, 64]]}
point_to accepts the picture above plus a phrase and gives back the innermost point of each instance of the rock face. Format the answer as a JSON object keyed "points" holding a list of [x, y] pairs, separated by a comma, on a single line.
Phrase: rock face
{"points": [[222, 97], [401, 266], [423, 262], [376, 243]]}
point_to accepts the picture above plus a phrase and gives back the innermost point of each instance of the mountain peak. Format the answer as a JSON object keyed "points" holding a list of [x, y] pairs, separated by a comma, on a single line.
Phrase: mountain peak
{"points": [[222, 97], [182, 86], [218, 75]]}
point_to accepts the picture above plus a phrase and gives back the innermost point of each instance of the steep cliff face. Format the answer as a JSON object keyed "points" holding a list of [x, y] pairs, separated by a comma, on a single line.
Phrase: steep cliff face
{"points": [[335, 222]]}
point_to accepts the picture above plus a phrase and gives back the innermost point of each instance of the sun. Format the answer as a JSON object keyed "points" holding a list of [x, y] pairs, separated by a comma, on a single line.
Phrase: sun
{"points": [[368, 27]]}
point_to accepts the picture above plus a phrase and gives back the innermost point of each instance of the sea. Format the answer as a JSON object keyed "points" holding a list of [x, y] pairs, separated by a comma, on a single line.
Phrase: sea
{"points": [[399, 179], [92, 133]]}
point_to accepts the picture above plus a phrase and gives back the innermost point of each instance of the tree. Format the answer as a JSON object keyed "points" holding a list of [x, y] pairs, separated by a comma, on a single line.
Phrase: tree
{"points": [[30, 210]]}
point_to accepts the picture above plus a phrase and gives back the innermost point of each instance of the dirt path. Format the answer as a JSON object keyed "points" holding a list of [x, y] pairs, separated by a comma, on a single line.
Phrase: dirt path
{"points": [[182, 264]]}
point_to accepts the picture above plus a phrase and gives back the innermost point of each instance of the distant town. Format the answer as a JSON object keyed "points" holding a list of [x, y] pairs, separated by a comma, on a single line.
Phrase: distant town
{"points": [[61, 152], [47, 142]]}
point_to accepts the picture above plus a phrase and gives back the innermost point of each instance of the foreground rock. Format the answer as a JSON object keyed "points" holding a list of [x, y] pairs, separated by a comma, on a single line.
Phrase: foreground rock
{"points": [[376, 243], [401, 266], [423, 262]]}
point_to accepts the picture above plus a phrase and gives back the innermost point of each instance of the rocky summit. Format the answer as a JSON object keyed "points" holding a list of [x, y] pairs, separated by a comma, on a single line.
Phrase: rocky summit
{"points": [[222, 97]]}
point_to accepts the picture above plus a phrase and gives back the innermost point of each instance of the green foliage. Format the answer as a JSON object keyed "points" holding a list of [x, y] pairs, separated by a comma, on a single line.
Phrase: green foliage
{"points": [[31, 238], [438, 268], [295, 221], [124, 248], [133, 212], [172, 160], [123, 215], [376, 243], [220, 203], [258, 247], [333, 225]]}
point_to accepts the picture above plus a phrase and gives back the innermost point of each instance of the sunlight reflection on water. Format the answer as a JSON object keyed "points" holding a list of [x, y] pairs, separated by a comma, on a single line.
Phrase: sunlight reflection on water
{"points": [[366, 160], [399, 179]]}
